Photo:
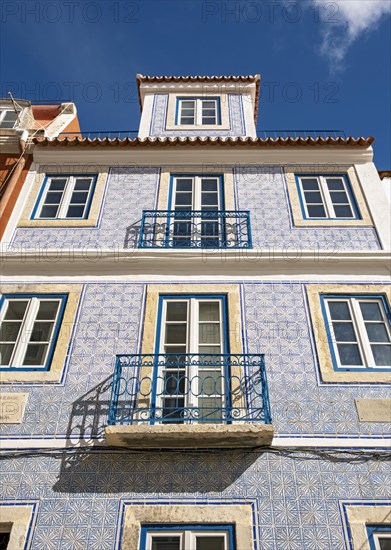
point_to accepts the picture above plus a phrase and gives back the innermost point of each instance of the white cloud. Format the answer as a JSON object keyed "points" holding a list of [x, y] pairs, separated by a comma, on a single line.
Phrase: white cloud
{"points": [[344, 21]]}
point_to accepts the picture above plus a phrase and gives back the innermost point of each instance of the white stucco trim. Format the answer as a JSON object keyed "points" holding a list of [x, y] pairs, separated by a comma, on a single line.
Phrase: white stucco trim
{"points": [[203, 155], [377, 200], [93, 261]]}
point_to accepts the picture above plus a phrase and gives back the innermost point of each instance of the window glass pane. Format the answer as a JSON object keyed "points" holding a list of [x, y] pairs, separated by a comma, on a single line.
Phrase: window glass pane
{"points": [[53, 197], [209, 185], [183, 199], [349, 354], [339, 198], [209, 311], [210, 382], [384, 543], [6, 353], [377, 332], [35, 354], [210, 543], [208, 104], [165, 543], [57, 184], [187, 120], [176, 334], [210, 199], [41, 332], [209, 333], [82, 184], [335, 184], [9, 331], [343, 211], [344, 332], [184, 185], [310, 184], [176, 311], [313, 197], [16, 309], [75, 211], [9, 119], [79, 197], [371, 311], [4, 539], [49, 212], [316, 211], [339, 311], [187, 104], [47, 310], [382, 355]]}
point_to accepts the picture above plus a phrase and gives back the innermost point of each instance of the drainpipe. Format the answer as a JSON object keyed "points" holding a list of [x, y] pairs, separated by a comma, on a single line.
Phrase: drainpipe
{"points": [[20, 163]]}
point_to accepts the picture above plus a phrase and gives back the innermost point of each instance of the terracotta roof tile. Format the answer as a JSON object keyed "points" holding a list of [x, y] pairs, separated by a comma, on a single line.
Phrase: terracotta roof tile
{"points": [[205, 141]]}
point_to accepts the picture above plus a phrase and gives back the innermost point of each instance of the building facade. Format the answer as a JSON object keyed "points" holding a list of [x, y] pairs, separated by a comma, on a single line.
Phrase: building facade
{"points": [[20, 122], [196, 335]]}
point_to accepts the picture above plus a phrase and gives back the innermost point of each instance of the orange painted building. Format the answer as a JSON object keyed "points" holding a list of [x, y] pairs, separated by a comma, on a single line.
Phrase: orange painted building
{"points": [[20, 122]]}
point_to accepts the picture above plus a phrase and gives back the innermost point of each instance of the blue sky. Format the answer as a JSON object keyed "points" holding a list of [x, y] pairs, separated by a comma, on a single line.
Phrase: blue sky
{"points": [[323, 64]]}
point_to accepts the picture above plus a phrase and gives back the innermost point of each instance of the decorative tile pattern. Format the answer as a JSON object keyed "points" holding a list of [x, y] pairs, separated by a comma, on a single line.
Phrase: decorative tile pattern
{"points": [[129, 191], [159, 115], [80, 503], [276, 323], [257, 188], [262, 190]]}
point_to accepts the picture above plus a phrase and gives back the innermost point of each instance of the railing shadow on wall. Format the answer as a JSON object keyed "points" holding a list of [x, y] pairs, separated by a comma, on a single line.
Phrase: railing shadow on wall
{"points": [[87, 468], [132, 234]]}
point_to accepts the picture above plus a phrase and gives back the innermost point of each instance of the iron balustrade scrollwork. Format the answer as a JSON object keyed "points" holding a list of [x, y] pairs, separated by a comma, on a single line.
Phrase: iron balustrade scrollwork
{"points": [[189, 388], [195, 229]]}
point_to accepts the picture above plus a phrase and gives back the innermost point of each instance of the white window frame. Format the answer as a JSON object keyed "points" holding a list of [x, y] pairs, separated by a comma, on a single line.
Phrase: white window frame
{"points": [[27, 324], [358, 322], [380, 535], [66, 197], [198, 105], [326, 197], [2, 116], [196, 190], [188, 538], [192, 345]]}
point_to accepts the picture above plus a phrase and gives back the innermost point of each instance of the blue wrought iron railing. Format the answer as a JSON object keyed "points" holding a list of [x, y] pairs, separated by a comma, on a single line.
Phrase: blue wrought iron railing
{"points": [[189, 388], [195, 229], [264, 134]]}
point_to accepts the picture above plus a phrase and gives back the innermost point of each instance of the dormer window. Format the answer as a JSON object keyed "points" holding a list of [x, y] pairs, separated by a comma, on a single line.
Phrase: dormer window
{"points": [[8, 118], [197, 111]]}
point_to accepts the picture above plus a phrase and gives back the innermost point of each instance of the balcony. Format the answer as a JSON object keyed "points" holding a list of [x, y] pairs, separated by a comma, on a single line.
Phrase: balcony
{"points": [[195, 229], [189, 401]]}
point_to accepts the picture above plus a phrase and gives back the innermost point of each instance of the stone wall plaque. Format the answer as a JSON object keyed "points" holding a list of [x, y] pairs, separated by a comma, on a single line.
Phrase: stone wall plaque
{"points": [[12, 407]]}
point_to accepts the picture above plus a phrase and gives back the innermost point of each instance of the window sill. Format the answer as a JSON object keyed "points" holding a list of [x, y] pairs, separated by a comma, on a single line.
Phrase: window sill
{"points": [[189, 436]]}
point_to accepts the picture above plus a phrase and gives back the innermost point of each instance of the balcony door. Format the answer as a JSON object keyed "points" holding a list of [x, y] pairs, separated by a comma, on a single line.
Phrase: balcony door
{"points": [[196, 202], [193, 374]]}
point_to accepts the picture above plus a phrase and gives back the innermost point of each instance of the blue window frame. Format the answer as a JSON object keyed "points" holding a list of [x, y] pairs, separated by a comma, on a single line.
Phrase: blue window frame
{"points": [[379, 537], [29, 327], [198, 111], [187, 537], [65, 197], [326, 197], [192, 332], [202, 194], [358, 330]]}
